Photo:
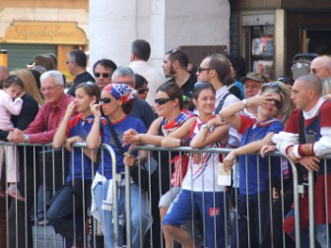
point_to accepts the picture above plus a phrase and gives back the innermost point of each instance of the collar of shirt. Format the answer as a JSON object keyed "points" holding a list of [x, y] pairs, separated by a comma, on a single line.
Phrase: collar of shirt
{"points": [[219, 94], [313, 112]]}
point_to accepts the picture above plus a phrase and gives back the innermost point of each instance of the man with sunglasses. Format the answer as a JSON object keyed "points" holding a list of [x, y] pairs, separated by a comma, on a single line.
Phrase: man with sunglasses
{"points": [[140, 53], [141, 109], [76, 64], [216, 70], [175, 64], [321, 67], [103, 70]]}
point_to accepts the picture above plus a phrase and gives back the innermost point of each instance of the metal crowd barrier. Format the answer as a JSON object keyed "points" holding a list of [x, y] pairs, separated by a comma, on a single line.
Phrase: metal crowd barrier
{"points": [[20, 234], [314, 233], [155, 233], [20, 227]]}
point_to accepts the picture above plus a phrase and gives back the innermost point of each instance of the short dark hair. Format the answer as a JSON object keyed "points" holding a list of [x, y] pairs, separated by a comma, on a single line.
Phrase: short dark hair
{"points": [[79, 57], [178, 55], [12, 80], [142, 49], [105, 63], [140, 81], [45, 61], [239, 64], [173, 91], [221, 65]]}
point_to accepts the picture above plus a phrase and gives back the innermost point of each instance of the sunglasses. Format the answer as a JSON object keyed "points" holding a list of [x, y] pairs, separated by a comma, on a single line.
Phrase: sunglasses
{"points": [[142, 91], [201, 69], [175, 50], [105, 100], [278, 104], [161, 101], [104, 75]]}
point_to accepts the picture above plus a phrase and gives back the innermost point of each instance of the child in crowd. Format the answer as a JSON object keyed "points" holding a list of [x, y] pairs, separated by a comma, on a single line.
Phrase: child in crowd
{"points": [[199, 185], [10, 104]]}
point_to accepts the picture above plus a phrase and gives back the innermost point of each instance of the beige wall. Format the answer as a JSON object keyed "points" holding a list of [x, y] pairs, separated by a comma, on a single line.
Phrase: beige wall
{"points": [[65, 4]]}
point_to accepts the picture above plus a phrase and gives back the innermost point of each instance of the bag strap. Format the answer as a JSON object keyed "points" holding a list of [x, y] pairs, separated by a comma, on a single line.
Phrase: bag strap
{"points": [[302, 138], [115, 137], [221, 103]]}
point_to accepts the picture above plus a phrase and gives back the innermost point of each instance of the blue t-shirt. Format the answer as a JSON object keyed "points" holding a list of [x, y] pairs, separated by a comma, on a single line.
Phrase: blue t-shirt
{"points": [[79, 126], [120, 127], [254, 131]]}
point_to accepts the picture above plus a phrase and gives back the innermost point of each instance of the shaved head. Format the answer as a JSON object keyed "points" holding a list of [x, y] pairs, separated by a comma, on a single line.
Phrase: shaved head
{"points": [[311, 82], [321, 67]]}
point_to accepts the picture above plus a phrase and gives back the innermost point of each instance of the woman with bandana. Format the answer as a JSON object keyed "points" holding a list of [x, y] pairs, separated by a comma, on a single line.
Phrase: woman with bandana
{"points": [[116, 103]]}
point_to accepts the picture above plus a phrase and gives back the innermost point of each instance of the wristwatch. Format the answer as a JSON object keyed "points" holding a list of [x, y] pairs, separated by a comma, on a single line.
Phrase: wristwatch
{"points": [[245, 103], [26, 138]]}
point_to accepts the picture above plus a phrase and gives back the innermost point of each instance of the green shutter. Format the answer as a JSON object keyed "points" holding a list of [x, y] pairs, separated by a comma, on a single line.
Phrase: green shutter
{"points": [[19, 55]]}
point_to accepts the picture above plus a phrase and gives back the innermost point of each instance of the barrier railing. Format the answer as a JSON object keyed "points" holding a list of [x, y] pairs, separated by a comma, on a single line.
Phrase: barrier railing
{"points": [[158, 170], [43, 170], [259, 217]]}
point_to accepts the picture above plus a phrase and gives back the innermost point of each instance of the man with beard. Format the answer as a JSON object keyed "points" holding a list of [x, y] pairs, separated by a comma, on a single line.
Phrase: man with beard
{"points": [[175, 65]]}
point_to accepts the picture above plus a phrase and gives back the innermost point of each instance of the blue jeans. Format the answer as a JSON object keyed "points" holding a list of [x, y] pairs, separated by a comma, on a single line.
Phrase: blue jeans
{"points": [[138, 214]]}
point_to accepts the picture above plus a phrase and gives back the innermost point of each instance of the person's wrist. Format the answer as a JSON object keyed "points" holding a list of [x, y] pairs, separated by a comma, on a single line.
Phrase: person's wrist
{"points": [[245, 102], [26, 138]]}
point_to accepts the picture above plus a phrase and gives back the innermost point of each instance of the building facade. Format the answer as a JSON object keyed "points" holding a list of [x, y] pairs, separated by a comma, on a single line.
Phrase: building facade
{"points": [[272, 32]]}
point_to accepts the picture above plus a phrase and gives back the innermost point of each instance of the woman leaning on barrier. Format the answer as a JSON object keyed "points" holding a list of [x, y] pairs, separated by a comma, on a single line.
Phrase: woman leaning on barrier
{"points": [[116, 102], [73, 199], [199, 185], [169, 106], [274, 101]]}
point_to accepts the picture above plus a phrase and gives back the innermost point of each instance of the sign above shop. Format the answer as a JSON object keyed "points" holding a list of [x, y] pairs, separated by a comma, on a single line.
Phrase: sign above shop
{"points": [[45, 33]]}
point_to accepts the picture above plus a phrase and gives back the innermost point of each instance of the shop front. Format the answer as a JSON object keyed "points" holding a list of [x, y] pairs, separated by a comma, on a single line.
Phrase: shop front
{"points": [[24, 40]]}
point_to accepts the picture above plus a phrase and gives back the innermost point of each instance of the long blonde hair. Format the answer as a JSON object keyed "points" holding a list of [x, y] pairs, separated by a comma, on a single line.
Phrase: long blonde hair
{"points": [[30, 85], [285, 93]]}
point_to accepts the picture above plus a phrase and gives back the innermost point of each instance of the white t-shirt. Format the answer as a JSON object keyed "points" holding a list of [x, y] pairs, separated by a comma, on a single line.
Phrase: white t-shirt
{"points": [[154, 78], [202, 176]]}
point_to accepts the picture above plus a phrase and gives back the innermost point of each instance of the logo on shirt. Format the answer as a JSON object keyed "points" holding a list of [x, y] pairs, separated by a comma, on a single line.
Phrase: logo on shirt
{"points": [[214, 212]]}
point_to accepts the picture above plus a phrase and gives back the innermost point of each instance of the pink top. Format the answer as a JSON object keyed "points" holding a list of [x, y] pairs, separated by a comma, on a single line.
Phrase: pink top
{"points": [[8, 107], [48, 119]]}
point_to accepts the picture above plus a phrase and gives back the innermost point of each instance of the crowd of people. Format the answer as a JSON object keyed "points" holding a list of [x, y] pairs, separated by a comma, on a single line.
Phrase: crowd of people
{"points": [[221, 105]]}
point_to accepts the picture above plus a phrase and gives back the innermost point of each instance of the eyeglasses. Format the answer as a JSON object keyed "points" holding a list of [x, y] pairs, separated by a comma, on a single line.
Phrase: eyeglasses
{"points": [[161, 101], [201, 69], [104, 75], [49, 88], [314, 70], [105, 100], [142, 90], [198, 85]]}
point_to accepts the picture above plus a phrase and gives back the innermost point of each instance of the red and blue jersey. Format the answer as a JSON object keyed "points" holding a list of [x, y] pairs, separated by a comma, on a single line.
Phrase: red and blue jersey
{"points": [[80, 164], [252, 130], [105, 166]]}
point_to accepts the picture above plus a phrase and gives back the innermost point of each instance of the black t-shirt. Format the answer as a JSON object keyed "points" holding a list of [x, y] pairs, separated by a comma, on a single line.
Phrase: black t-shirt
{"points": [[188, 86], [81, 78]]}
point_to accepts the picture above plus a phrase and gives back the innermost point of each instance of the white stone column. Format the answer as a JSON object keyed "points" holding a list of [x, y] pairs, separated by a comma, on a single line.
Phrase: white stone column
{"points": [[112, 28], [197, 22]]}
